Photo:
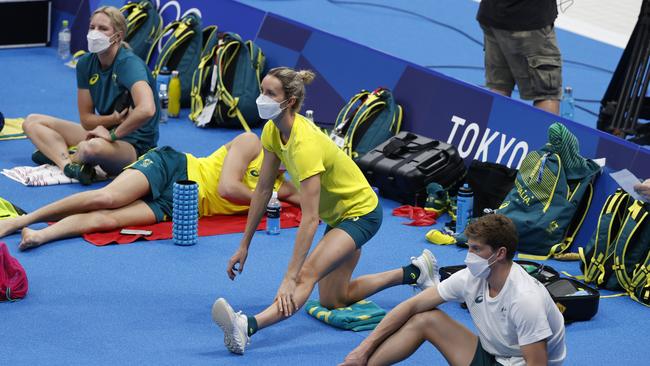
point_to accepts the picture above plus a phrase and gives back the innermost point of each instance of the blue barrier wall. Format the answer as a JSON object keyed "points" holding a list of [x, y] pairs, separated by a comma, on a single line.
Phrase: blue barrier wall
{"points": [[484, 125]]}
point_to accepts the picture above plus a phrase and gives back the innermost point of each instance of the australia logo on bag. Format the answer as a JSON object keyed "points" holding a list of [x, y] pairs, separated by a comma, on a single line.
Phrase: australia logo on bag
{"points": [[552, 227]]}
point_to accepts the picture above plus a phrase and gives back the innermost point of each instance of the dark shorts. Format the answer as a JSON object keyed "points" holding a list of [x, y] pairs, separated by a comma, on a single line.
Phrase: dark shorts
{"points": [[531, 59], [163, 167], [362, 228], [482, 358]]}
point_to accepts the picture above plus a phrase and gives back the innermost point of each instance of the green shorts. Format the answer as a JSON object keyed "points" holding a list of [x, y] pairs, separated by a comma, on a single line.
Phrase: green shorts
{"points": [[362, 228], [163, 167], [483, 358], [531, 59]]}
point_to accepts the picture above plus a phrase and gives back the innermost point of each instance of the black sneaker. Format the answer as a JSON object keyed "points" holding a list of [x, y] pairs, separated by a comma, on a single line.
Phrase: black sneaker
{"points": [[39, 158], [85, 173]]}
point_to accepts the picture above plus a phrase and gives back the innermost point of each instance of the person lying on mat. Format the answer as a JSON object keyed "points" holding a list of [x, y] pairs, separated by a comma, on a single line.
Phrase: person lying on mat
{"points": [[518, 321], [643, 189], [142, 193], [109, 78], [332, 188]]}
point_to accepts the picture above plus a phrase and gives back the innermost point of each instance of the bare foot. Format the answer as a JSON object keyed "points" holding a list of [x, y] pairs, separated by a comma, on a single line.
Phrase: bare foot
{"points": [[9, 226], [31, 239]]}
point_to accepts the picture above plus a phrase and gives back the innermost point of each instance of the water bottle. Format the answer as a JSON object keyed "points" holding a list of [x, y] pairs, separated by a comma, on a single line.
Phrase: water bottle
{"points": [[64, 41], [273, 215], [465, 206], [163, 77], [309, 114], [174, 95], [567, 105], [164, 103]]}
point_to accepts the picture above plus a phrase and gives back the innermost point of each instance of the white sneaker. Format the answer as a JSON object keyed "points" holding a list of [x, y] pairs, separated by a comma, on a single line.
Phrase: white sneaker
{"points": [[234, 326], [428, 266]]}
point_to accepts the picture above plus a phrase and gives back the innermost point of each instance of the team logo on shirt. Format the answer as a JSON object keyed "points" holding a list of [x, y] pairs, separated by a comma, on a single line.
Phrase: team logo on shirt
{"points": [[93, 79], [478, 299], [114, 76]]}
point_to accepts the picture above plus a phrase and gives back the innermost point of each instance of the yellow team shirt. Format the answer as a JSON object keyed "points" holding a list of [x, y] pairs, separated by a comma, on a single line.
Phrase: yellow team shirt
{"points": [[206, 172], [345, 192]]}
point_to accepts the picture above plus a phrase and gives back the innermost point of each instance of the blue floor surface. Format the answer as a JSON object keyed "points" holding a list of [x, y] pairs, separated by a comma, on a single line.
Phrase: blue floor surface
{"points": [[148, 303]]}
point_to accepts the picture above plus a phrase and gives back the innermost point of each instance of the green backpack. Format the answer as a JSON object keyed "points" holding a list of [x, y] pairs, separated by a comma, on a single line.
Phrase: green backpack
{"points": [[551, 196], [366, 121], [203, 75], [181, 52], [632, 253], [237, 66], [143, 26], [598, 256]]}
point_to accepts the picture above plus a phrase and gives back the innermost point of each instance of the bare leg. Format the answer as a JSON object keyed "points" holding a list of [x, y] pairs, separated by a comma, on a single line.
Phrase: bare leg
{"points": [[456, 343], [549, 105], [111, 156], [335, 256], [126, 188], [52, 136], [136, 213]]}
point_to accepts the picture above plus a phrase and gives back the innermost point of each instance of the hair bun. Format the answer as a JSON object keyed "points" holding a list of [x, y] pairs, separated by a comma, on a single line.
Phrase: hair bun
{"points": [[307, 76]]}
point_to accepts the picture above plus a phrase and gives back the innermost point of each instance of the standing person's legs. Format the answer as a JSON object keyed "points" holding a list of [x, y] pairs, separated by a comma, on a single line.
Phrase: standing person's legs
{"points": [[52, 136], [536, 63], [498, 77], [457, 344]]}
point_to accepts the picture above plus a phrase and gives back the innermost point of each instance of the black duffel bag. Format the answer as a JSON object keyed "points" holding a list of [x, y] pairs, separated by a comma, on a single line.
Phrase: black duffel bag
{"points": [[402, 167]]}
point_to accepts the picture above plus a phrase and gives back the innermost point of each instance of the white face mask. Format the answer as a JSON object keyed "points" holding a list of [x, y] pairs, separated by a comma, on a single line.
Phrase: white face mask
{"points": [[478, 266], [268, 108], [98, 42]]}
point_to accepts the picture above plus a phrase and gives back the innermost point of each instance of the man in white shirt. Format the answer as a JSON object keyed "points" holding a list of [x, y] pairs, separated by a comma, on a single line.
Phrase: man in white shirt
{"points": [[517, 320]]}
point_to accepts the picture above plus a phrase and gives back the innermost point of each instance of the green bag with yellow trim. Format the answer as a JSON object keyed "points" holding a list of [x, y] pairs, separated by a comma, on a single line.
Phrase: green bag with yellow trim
{"points": [[181, 52], [236, 72], [551, 196], [597, 256], [366, 121], [143, 25]]}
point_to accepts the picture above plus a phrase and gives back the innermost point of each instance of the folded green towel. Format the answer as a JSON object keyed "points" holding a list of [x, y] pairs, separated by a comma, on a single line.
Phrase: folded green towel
{"points": [[363, 315]]}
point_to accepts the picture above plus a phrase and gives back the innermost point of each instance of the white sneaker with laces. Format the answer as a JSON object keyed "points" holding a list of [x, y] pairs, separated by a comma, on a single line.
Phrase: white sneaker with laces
{"points": [[428, 266], [234, 326]]}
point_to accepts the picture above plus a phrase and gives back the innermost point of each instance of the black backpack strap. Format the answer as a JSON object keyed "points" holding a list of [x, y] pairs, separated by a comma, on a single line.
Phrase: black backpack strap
{"points": [[398, 145]]}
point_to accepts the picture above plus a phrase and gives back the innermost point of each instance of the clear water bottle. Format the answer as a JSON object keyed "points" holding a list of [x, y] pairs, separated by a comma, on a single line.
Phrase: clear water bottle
{"points": [[64, 41], [309, 114], [164, 103], [273, 215], [568, 104], [163, 78], [464, 207]]}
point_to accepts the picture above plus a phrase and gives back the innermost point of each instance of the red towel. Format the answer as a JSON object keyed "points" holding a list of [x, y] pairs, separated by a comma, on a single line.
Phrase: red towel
{"points": [[13, 279], [211, 225], [419, 215]]}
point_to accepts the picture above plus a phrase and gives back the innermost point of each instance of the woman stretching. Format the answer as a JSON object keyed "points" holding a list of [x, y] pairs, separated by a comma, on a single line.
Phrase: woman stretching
{"points": [[333, 189]]}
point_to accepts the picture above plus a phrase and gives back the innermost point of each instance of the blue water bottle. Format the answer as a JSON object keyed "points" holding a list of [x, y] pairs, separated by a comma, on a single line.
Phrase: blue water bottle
{"points": [[273, 215], [163, 78], [465, 207], [568, 104]]}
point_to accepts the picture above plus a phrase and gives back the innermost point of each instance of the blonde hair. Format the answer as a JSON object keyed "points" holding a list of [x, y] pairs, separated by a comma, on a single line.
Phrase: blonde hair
{"points": [[117, 20], [293, 83]]}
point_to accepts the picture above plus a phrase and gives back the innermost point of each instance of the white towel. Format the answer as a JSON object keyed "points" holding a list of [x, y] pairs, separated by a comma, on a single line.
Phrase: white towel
{"points": [[44, 175]]}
